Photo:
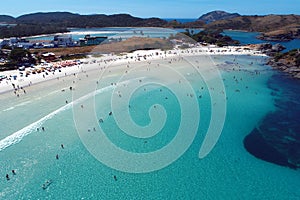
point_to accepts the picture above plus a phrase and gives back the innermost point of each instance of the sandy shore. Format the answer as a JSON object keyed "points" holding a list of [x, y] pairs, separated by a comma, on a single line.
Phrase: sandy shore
{"points": [[16, 80]]}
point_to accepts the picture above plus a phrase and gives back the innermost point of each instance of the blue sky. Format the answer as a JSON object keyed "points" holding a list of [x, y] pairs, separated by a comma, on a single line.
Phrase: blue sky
{"points": [[152, 8]]}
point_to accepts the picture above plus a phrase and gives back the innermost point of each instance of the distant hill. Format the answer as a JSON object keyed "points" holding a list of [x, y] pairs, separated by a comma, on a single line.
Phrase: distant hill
{"points": [[46, 18], [217, 15], [5, 19], [54, 22], [273, 27], [258, 23], [67, 19]]}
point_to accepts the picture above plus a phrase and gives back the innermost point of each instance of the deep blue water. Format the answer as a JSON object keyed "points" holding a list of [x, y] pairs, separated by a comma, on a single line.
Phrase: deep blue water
{"points": [[250, 38], [181, 20], [277, 138]]}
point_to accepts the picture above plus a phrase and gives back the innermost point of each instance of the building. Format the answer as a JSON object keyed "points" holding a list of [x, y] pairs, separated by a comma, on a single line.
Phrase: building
{"points": [[92, 40], [48, 57], [24, 45], [4, 42], [15, 42], [63, 41]]}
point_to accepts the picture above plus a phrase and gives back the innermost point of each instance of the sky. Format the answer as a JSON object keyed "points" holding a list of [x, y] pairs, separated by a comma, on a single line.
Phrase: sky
{"points": [[152, 8]]}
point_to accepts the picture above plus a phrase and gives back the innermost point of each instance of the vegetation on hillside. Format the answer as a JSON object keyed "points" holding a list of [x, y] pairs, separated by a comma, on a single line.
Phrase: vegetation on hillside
{"points": [[273, 27], [258, 23], [291, 58], [47, 23], [22, 30], [212, 36], [17, 58]]}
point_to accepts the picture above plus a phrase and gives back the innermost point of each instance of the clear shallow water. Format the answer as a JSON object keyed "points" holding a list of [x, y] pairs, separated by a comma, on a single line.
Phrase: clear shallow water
{"points": [[228, 172]]}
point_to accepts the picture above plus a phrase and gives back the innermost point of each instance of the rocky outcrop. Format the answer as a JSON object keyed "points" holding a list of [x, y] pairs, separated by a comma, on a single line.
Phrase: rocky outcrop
{"points": [[289, 68], [288, 62], [281, 35], [268, 49]]}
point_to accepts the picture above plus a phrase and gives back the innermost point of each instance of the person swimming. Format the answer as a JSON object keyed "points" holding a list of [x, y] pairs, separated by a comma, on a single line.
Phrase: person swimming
{"points": [[57, 157], [46, 184], [7, 177], [13, 172]]}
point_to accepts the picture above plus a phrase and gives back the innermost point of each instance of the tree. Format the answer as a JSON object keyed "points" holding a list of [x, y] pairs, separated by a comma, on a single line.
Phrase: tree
{"points": [[20, 57]]}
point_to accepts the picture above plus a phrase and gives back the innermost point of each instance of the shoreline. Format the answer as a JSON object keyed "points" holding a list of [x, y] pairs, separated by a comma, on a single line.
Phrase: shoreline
{"points": [[20, 82]]}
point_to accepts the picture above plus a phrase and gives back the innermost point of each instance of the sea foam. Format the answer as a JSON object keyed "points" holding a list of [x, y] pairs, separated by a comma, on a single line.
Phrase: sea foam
{"points": [[19, 135]]}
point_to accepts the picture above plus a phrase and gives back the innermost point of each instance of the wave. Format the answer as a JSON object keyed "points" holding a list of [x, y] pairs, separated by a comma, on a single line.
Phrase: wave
{"points": [[19, 135], [13, 107], [10, 108]]}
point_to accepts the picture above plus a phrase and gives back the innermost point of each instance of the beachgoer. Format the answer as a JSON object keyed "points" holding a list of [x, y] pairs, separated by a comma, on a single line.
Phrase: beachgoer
{"points": [[13, 172], [56, 156]]}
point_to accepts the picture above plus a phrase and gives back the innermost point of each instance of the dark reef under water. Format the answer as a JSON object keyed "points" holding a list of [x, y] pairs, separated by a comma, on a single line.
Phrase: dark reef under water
{"points": [[277, 138]]}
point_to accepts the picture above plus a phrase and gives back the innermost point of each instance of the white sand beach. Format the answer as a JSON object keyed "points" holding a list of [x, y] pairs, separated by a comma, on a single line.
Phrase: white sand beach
{"points": [[18, 80]]}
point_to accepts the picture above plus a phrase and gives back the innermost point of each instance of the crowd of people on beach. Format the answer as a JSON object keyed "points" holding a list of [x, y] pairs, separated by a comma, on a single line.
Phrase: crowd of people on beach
{"points": [[84, 65], [15, 79]]}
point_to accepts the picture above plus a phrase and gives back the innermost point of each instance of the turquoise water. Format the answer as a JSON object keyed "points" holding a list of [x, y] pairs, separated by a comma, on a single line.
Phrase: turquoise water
{"points": [[228, 172]]}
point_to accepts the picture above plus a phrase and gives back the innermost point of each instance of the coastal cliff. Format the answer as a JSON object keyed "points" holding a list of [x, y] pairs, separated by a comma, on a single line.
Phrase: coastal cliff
{"points": [[287, 62]]}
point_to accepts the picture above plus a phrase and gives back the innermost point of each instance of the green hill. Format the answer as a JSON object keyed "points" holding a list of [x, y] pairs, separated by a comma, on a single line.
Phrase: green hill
{"points": [[258, 23]]}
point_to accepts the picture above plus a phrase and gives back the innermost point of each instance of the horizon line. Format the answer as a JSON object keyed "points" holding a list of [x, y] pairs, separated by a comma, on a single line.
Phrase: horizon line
{"points": [[77, 13]]}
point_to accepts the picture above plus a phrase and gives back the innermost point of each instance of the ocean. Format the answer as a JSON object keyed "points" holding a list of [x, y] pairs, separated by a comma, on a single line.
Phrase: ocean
{"points": [[227, 172], [90, 147]]}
